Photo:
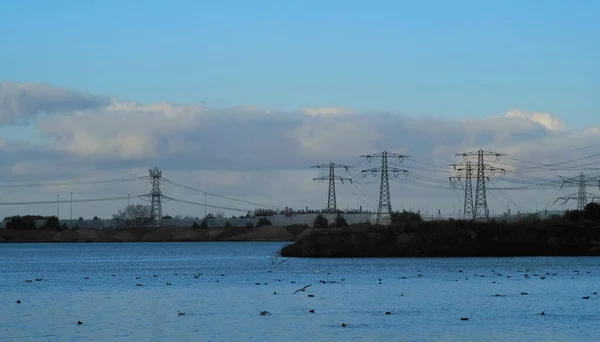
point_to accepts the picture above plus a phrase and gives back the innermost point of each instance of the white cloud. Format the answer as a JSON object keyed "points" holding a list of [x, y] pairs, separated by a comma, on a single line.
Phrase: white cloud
{"points": [[263, 156], [549, 121]]}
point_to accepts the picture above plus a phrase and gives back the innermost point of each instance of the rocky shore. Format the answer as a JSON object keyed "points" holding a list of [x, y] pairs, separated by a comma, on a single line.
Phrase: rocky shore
{"points": [[264, 233], [451, 239]]}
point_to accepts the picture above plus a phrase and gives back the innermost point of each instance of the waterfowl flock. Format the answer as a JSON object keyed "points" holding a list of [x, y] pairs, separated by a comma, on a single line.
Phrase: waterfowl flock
{"points": [[335, 296]]}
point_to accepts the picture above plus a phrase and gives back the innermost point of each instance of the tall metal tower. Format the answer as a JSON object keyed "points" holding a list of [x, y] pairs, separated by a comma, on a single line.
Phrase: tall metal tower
{"points": [[480, 210], [467, 168], [384, 211], [155, 195], [331, 198], [582, 196]]}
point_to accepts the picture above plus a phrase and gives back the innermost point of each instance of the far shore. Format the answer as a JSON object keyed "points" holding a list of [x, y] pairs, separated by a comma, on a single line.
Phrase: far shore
{"points": [[258, 234]]}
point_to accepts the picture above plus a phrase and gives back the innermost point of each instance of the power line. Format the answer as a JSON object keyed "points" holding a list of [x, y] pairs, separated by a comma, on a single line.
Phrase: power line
{"points": [[220, 196], [68, 183], [88, 200], [207, 205]]}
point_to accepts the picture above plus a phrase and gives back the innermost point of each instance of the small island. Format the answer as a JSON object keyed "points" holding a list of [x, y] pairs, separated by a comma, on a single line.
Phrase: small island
{"points": [[576, 233]]}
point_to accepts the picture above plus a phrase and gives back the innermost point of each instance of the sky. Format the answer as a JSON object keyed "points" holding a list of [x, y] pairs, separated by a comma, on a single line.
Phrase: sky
{"points": [[238, 98]]}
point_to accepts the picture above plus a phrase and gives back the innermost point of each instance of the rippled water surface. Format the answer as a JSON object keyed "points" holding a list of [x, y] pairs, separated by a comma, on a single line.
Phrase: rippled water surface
{"points": [[426, 297]]}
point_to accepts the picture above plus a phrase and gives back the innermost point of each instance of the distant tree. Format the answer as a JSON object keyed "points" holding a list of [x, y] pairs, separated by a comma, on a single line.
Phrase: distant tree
{"points": [[80, 218], [52, 223], [592, 211], [406, 216], [204, 224], [95, 218], [263, 221], [135, 216], [228, 224], [20, 222], [340, 221], [209, 216], [167, 217], [573, 215], [195, 225], [249, 225], [320, 222]]}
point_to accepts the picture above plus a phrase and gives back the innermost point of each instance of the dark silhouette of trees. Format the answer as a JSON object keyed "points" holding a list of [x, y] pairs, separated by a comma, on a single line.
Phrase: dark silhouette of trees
{"points": [[320, 222], [406, 216], [52, 223], [340, 220], [135, 216], [26, 222], [263, 221]]}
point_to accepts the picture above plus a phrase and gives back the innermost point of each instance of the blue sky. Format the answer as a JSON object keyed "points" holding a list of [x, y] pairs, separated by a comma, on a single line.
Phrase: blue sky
{"points": [[448, 59]]}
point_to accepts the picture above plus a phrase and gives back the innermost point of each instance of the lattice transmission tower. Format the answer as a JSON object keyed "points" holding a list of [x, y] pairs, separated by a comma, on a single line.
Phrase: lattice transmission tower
{"points": [[384, 211], [332, 178], [480, 208], [582, 196], [155, 196], [467, 168]]}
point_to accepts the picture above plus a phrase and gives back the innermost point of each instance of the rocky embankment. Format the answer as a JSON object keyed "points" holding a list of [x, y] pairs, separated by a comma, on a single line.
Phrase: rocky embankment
{"points": [[451, 239], [264, 233]]}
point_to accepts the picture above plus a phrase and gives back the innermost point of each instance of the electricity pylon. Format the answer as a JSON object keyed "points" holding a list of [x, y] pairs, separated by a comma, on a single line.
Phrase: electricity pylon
{"points": [[155, 195], [582, 196], [467, 168], [331, 198], [480, 210], [384, 211]]}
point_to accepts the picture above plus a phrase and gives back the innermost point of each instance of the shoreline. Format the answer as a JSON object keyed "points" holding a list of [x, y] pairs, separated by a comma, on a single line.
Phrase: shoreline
{"points": [[92, 235]]}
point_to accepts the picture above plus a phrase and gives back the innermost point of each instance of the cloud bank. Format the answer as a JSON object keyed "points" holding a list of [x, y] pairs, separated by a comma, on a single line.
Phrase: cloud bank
{"points": [[261, 155]]}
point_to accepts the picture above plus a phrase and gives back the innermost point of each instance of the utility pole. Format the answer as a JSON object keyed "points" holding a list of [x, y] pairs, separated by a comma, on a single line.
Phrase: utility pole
{"points": [[480, 209], [384, 211], [582, 196], [205, 205], [128, 200], [71, 206], [58, 207], [467, 167], [331, 198]]}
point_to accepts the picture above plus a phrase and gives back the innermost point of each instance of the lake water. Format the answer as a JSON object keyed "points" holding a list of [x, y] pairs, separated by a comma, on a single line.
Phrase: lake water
{"points": [[426, 297]]}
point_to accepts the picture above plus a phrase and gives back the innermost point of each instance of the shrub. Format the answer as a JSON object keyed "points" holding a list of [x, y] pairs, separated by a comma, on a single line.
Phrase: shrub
{"points": [[53, 223], [204, 224], [592, 211], [320, 222], [228, 224], [249, 225], [263, 221], [340, 221], [406, 216]]}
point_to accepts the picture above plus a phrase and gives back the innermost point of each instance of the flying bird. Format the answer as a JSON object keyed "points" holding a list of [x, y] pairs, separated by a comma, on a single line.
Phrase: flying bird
{"points": [[302, 289]]}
